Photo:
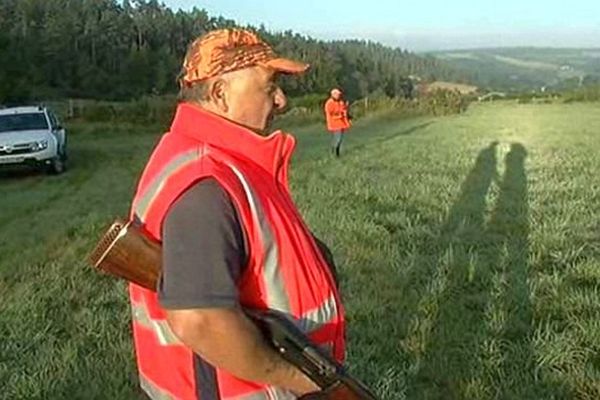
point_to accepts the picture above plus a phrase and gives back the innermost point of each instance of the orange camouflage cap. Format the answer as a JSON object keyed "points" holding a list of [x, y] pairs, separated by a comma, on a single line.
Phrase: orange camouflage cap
{"points": [[227, 50]]}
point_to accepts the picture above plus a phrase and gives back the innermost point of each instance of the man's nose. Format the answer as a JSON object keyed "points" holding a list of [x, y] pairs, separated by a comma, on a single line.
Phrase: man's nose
{"points": [[280, 100]]}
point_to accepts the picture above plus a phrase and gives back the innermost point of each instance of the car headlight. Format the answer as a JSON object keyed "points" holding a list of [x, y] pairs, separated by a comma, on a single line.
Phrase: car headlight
{"points": [[39, 146]]}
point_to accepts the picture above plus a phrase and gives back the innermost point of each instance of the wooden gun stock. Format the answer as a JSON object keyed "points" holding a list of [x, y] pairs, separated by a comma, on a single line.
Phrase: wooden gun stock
{"points": [[126, 252]]}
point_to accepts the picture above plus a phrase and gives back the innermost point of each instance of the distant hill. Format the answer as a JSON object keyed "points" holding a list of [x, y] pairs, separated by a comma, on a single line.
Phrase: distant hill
{"points": [[452, 86], [518, 69]]}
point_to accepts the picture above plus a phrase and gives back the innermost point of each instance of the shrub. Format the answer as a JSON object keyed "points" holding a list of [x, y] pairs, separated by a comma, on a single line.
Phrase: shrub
{"points": [[584, 94]]}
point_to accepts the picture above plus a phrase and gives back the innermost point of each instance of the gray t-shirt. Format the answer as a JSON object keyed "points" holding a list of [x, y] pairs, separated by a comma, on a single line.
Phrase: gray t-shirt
{"points": [[204, 250]]}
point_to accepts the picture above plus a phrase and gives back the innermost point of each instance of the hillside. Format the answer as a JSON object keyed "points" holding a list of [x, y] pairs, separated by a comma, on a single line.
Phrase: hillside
{"points": [[452, 86], [517, 69]]}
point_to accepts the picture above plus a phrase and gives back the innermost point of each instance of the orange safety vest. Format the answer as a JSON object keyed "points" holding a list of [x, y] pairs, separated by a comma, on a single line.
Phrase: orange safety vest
{"points": [[336, 114], [286, 270]]}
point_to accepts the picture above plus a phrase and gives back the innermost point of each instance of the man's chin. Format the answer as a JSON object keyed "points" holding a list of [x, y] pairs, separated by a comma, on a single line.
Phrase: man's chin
{"points": [[256, 128], [266, 127]]}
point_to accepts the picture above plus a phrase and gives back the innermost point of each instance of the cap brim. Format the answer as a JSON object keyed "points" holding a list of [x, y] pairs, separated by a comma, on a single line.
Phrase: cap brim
{"points": [[287, 66]]}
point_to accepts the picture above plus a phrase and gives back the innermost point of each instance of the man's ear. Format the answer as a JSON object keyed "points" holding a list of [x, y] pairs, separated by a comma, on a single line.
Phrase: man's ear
{"points": [[218, 94]]}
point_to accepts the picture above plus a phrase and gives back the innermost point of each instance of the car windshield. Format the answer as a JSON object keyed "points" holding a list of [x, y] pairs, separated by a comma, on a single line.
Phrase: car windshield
{"points": [[23, 122]]}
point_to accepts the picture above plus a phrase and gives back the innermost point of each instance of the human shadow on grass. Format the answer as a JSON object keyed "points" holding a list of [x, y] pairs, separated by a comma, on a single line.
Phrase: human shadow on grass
{"points": [[508, 243], [509, 232], [476, 341], [452, 294], [391, 325]]}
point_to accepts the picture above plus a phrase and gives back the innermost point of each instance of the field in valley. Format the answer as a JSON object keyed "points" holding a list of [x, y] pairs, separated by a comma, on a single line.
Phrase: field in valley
{"points": [[468, 248]]}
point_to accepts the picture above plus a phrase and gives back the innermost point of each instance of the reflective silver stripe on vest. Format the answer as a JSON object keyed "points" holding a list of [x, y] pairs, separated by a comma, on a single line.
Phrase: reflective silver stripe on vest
{"points": [[161, 328], [143, 204], [152, 391], [327, 348], [280, 394], [317, 317], [277, 298]]}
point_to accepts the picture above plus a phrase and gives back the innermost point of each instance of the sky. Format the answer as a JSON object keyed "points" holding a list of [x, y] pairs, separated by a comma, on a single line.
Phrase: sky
{"points": [[422, 25]]}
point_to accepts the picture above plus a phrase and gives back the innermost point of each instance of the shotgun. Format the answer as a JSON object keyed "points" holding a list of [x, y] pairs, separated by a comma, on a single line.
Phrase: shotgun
{"points": [[126, 252]]}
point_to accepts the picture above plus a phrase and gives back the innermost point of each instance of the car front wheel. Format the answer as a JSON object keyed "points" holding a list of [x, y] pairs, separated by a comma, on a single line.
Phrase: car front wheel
{"points": [[58, 165]]}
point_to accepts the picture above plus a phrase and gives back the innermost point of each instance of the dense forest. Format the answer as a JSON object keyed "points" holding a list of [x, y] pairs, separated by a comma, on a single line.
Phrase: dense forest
{"points": [[118, 50]]}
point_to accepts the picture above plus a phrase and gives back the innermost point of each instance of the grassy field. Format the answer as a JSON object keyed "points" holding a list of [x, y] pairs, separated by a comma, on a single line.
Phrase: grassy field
{"points": [[468, 246]]}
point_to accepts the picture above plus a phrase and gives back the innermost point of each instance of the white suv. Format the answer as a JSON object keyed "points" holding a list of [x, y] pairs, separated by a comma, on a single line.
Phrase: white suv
{"points": [[33, 136]]}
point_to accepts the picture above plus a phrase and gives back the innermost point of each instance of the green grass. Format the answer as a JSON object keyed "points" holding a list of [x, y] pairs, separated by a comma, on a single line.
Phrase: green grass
{"points": [[468, 248]]}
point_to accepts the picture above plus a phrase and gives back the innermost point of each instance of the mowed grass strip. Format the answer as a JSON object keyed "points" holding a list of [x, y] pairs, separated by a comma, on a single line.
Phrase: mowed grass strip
{"points": [[468, 248]]}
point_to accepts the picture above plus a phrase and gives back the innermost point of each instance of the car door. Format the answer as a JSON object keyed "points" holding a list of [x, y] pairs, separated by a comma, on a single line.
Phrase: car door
{"points": [[58, 131]]}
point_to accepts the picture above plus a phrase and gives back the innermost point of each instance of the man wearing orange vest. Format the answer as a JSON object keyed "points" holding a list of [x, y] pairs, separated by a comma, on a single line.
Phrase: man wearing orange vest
{"points": [[338, 121], [215, 194]]}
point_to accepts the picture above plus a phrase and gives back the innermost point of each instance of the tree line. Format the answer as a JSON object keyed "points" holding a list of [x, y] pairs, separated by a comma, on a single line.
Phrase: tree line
{"points": [[120, 50]]}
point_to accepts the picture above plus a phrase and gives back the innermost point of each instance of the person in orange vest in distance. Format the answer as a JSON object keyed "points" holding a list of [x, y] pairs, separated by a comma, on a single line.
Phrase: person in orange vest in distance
{"points": [[337, 117], [215, 195]]}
